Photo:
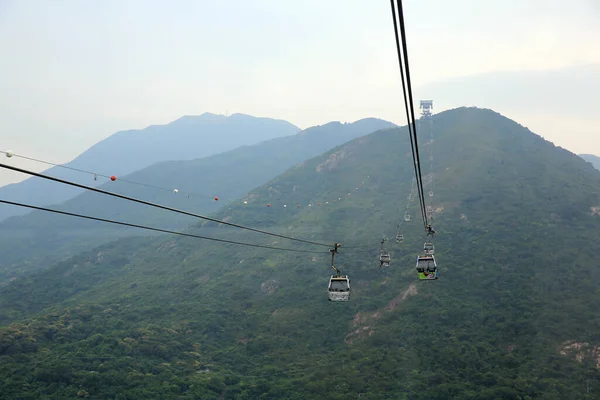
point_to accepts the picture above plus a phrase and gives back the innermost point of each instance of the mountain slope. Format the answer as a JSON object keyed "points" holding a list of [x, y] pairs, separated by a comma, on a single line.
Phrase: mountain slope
{"points": [[181, 318], [124, 152], [36, 240], [595, 160]]}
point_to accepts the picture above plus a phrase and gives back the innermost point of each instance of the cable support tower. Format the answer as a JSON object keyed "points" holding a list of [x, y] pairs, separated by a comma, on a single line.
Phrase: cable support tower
{"points": [[426, 123]]}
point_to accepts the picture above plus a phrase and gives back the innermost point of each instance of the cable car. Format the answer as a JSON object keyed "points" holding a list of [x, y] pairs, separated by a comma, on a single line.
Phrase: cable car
{"points": [[431, 193], [407, 217], [426, 267], [339, 288], [385, 259], [399, 237], [384, 256], [428, 248]]}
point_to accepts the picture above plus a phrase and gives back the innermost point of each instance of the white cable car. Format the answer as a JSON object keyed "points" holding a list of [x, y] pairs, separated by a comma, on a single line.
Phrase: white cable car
{"points": [[426, 267], [431, 193], [384, 256], [399, 237], [428, 248], [407, 217], [385, 259], [339, 288]]}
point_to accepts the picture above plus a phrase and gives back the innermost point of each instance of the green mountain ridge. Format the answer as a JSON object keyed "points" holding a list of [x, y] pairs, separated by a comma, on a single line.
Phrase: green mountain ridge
{"points": [[179, 318], [37, 240]]}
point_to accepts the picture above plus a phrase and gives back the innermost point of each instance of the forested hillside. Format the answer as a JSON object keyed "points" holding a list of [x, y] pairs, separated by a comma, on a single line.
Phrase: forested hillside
{"points": [[36, 240], [513, 315]]}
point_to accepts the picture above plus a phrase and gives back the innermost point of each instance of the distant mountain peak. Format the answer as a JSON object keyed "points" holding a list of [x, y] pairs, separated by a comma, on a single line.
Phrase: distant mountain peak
{"points": [[591, 158], [187, 119], [189, 137]]}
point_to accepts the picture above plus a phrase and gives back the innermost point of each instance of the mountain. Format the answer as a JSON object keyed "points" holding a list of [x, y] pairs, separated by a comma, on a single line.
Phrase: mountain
{"points": [[595, 160], [124, 152], [38, 239], [513, 315]]}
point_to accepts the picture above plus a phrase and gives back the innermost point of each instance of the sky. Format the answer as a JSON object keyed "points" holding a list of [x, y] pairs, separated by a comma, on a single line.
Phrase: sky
{"points": [[74, 72]]}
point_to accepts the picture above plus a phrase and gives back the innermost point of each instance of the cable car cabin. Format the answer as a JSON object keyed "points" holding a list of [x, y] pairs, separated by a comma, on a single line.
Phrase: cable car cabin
{"points": [[428, 248], [426, 267], [385, 259], [339, 288], [399, 238], [407, 217]]}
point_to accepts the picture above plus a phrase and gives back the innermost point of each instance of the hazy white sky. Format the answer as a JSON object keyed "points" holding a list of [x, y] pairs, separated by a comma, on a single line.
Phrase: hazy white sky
{"points": [[72, 72]]}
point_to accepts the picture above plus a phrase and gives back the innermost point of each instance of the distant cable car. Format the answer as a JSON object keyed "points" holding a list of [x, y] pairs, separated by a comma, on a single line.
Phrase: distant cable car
{"points": [[426, 267], [399, 237], [407, 217], [431, 193], [385, 259], [339, 288], [384, 256], [428, 248]]}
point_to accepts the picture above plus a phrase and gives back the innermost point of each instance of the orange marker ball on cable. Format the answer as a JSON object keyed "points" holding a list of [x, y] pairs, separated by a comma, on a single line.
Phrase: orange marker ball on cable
{"points": [[113, 178]]}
